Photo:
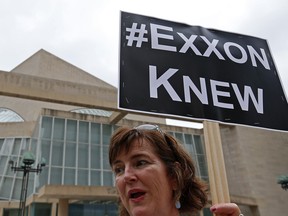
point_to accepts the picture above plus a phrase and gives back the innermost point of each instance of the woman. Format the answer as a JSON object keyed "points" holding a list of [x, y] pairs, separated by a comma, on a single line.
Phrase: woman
{"points": [[154, 175]]}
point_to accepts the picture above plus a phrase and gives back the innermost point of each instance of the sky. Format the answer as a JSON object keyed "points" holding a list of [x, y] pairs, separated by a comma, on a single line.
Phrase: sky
{"points": [[86, 33]]}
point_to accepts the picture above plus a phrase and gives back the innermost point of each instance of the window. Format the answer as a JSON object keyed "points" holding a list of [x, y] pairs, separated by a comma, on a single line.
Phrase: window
{"points": [[58, 132], [7, 115], [79, 152], [71, 131], [193, 144], [46, 128]]}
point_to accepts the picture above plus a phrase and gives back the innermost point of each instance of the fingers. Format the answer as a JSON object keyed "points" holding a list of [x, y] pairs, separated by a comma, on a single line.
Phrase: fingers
{"points": [[225, 209]]}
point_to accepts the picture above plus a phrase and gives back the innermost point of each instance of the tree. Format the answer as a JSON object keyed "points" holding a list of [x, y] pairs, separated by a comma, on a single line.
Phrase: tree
{"points": [[283, 180]]}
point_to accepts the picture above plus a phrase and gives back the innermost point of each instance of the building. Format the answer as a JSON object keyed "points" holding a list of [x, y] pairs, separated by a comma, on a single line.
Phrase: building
{"points": [[65, 115]]}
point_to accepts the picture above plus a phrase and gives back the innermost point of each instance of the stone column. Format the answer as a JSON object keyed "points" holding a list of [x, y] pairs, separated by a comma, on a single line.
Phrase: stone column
{"points": [[63, 207], [54, 209]]}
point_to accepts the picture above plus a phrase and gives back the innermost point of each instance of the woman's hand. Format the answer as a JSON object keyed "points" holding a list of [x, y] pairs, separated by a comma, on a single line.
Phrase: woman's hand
{"points": [[226, 209]]}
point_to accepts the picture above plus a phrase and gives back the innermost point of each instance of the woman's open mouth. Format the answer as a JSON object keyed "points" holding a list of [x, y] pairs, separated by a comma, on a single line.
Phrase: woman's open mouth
{"points": [[136, 195]]}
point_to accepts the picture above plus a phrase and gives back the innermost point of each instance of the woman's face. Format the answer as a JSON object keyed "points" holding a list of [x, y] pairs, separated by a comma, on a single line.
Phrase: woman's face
{"points": [[142, 182]]}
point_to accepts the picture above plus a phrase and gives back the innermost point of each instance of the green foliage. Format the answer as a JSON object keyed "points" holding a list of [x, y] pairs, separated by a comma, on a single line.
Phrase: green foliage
{"points": [[283, 180]]}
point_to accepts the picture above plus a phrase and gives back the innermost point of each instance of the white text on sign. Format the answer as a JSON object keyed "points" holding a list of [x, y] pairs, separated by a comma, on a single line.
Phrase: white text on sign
{"points": [[202, 94], [137, 34]]}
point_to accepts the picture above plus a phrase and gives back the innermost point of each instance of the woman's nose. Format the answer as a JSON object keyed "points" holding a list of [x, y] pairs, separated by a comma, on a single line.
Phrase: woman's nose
{"points": [[129, 175]]}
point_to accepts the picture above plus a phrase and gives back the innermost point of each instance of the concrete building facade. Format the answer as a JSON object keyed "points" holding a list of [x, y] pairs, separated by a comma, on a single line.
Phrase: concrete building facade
{"points": [[65, 115]]}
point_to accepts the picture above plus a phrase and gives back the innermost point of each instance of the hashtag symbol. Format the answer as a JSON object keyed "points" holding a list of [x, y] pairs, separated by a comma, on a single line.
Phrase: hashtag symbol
{"points": [[136, 34]]}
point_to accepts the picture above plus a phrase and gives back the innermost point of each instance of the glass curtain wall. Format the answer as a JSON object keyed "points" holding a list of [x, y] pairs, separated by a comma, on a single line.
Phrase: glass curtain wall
{"points": [[194, 145], [10, 182], [76, 152]]}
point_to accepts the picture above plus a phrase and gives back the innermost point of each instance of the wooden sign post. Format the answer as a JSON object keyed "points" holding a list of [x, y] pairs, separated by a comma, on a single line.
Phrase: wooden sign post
{"points": [[215, 161]]}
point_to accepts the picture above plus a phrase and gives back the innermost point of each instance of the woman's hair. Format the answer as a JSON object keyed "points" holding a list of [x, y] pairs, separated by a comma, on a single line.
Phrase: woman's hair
{"points": [[191, 190]]}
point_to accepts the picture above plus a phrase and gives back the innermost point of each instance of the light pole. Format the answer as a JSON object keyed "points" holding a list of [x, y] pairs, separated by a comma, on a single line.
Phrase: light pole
{"points": [[28, 160]]}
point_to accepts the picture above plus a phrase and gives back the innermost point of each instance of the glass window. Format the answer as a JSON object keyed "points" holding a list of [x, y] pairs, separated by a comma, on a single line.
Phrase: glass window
{"points": [[69, 176], [56, 176], [43, 176], [16, 147], [59, 125], [45, 145], [19, 174], [1, 144], [198, 144], [82, 177], [95, 157], [7, 115], [43, 209], [5, 190], [83, 155], [7, 146], [106, 164], [70, 154], [31, 183], [95, 133], [71, 131], [83, 132], [3, 162], [107, 178], [57, 153], [202, 166], [46, 127], [95, 178], [76, 209], [12, 212], [17, 189], [33, 145], [179, 137], [189, 143], [25, 144], [110, 209], [107, 132]]}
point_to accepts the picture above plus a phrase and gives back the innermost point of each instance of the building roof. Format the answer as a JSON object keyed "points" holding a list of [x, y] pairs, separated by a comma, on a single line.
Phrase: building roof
{"points": [[46, 65], [53, 76]]}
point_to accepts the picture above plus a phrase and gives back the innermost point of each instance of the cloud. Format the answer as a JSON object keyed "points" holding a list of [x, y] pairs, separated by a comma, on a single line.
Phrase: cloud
{"points": [[86, 33]]}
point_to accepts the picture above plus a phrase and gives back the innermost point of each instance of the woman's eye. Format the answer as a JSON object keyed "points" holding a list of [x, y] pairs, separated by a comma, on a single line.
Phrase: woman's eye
{"points": [[118, 170], [141, 163]]}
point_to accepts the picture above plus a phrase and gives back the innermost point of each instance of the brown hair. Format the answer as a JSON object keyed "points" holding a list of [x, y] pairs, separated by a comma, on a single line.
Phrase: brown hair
{"points": [[191, 190]]}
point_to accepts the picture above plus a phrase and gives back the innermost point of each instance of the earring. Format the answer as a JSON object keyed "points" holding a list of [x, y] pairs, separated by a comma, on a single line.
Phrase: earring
{"points": [[178, 204]]}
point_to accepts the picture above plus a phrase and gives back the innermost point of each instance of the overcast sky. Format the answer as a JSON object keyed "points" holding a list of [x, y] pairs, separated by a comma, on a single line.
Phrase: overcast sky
{"points": [[86, 32]]}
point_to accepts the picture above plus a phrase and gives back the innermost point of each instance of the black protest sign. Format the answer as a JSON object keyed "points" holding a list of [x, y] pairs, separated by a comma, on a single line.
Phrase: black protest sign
{"points": [[175, 69]]}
